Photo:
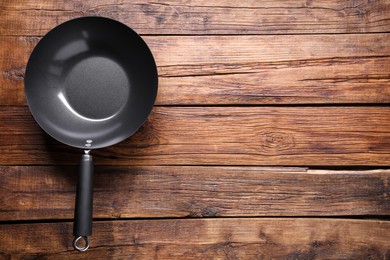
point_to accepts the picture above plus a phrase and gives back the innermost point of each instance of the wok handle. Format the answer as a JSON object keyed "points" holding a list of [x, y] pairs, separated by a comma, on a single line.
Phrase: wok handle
{"points": [[82, 227]]}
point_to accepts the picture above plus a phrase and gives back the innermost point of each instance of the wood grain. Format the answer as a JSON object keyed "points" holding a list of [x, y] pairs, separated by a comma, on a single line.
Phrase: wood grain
{"points": [[204, 239], [290, 136], [203, 17], [234, 70], [36, 193], [174, 190]]}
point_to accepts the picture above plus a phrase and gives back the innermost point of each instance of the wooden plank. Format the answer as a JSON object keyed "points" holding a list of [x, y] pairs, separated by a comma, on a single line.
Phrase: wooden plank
{"points": [[287, 69], [204, 239], [36, 193], [289, 136], [28, 17]]}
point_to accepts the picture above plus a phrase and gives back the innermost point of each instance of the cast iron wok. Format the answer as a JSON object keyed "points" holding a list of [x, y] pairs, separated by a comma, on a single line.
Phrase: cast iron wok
{"points": [[90, 82]]}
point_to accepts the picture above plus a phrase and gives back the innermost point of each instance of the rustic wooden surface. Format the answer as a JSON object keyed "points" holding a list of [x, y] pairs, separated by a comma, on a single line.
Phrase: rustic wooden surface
{"points": [[237, 70], [194, 191], [270, 138], [204, 17], [292, 136], [205, 239]]}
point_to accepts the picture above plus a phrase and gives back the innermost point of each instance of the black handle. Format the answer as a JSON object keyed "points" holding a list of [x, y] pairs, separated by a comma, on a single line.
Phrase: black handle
{"points": [[82, 227]]}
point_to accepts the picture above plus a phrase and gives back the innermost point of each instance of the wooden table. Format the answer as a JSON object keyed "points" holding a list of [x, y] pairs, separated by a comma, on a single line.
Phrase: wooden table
{"points": [[270, 137]]}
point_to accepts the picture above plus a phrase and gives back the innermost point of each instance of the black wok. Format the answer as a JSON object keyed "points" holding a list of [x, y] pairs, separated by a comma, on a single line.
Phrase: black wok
{"points": [[90, 82]]}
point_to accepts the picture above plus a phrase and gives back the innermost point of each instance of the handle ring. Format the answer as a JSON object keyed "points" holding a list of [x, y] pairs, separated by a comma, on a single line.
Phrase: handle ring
{"points": [[81, 249]]}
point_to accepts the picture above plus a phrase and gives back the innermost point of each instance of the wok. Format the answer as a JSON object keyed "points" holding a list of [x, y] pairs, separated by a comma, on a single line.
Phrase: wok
{"points": [[90, 82]]}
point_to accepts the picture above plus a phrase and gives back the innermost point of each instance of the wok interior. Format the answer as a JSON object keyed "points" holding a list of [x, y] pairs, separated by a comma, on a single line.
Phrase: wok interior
{"points": [[91, 82]]}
